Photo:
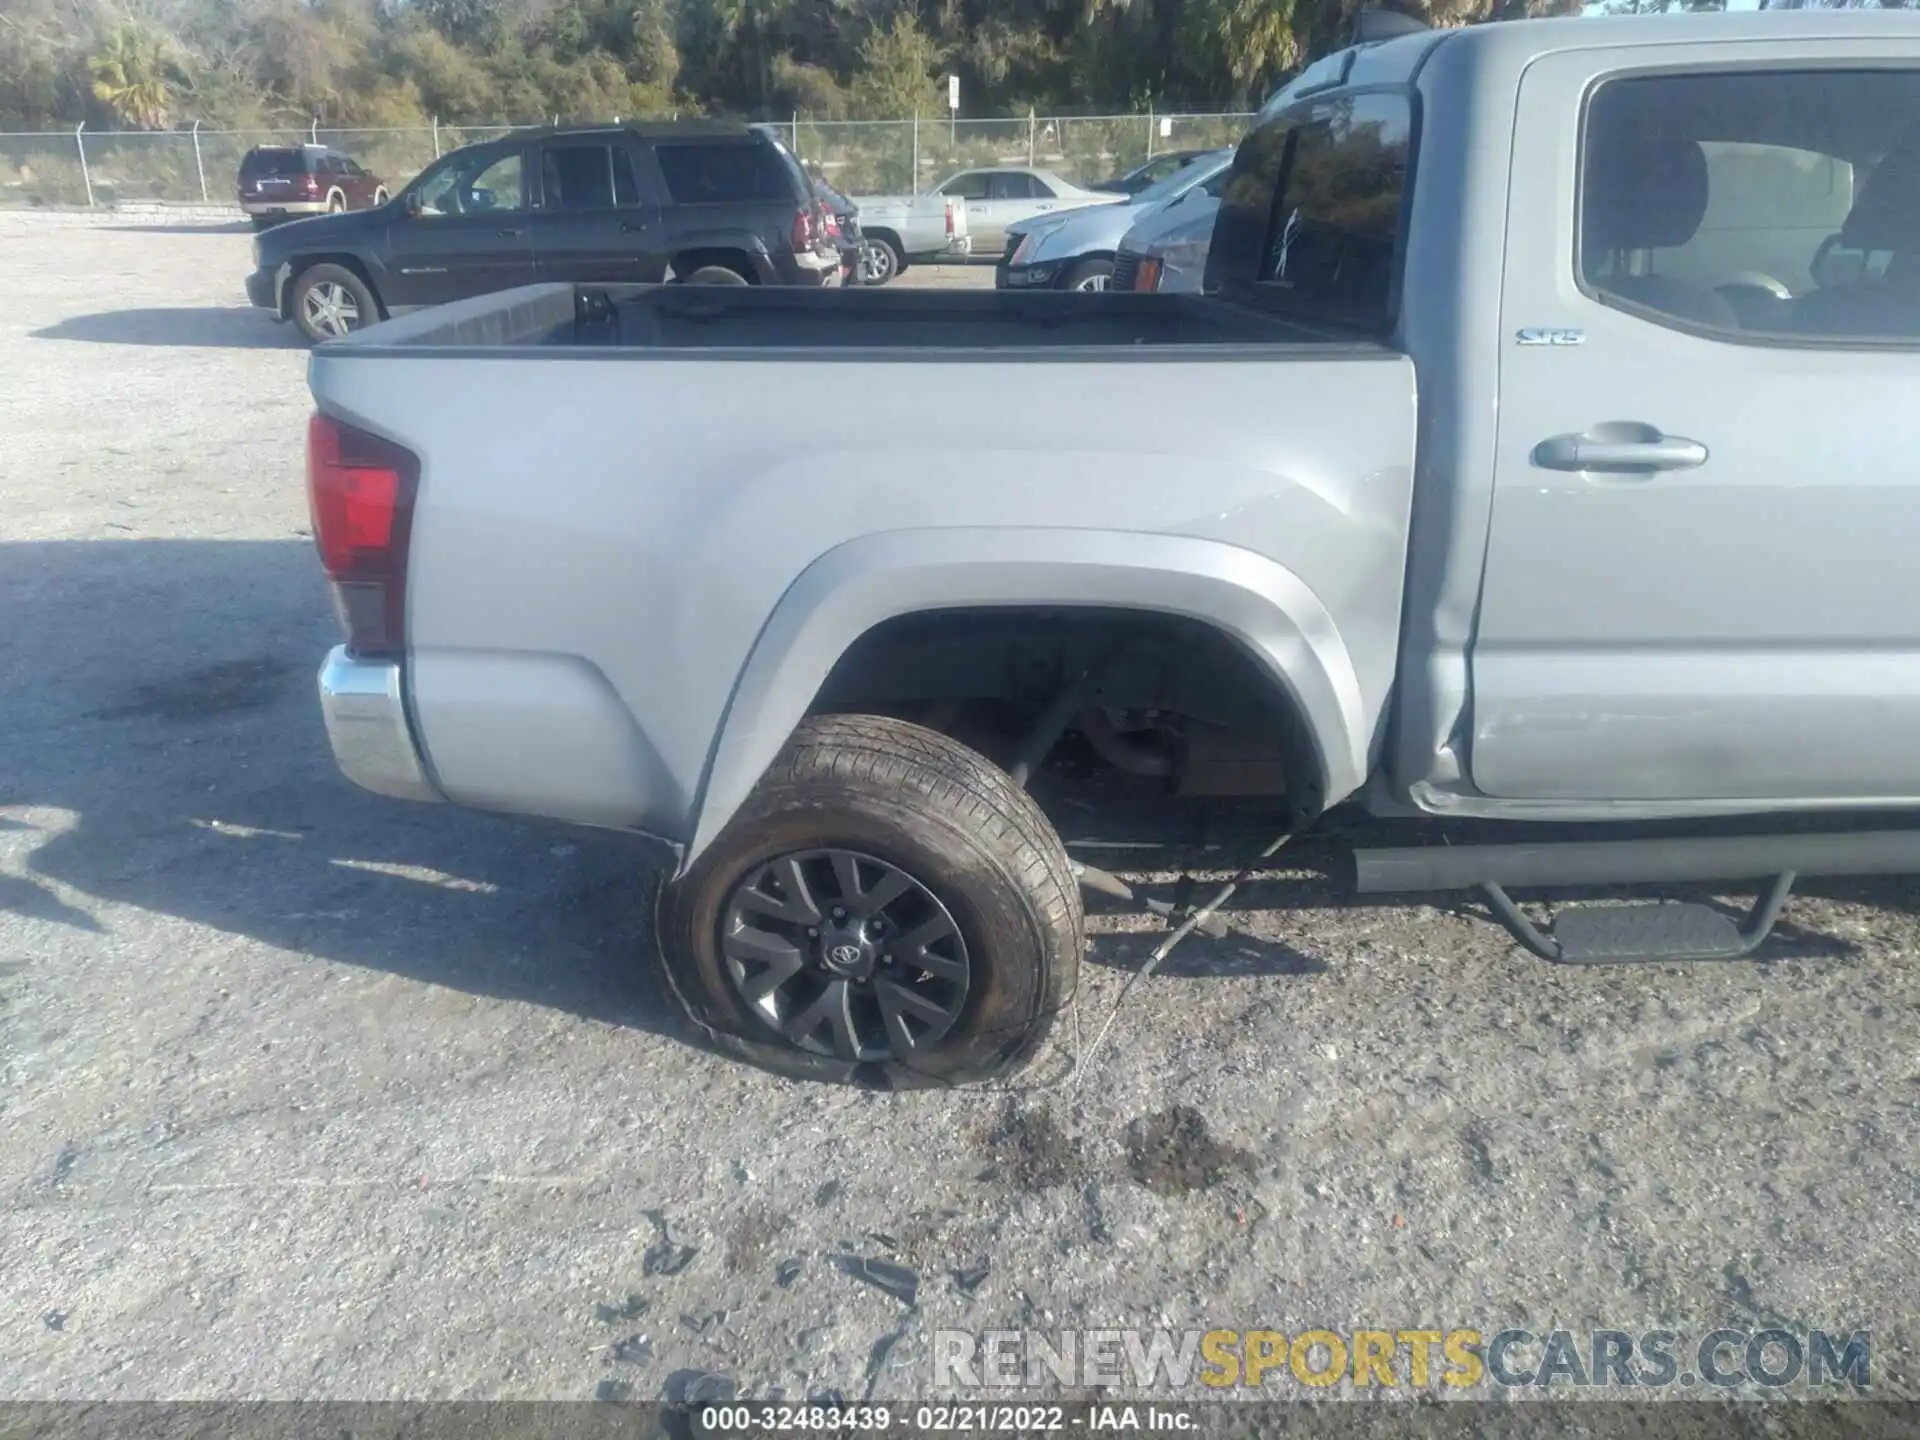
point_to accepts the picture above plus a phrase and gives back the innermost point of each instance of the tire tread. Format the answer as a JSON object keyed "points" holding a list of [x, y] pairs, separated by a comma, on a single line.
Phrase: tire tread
{"points": [[948, 785]]}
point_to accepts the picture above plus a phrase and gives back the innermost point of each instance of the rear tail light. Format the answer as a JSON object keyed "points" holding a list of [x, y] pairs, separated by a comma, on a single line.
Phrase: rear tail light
{"points": [[360, 491], [949, 217], [1147, 277], [806, 228], [312, 184]]}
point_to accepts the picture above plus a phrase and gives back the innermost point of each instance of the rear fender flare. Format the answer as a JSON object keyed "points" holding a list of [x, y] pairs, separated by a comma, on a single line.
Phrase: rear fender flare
{"points": [[842, 595], [747, 243]]}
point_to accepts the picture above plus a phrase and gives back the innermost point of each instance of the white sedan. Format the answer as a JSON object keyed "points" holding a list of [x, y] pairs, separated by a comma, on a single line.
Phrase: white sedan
{"points": [[998, 197]]}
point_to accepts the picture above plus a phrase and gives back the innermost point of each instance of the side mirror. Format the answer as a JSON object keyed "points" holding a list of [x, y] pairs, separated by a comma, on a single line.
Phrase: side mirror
{"points": [[1837, 264], [412, 201]]}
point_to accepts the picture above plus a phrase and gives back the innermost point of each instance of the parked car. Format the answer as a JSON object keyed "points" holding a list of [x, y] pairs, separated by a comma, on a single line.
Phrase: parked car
{"points": [[705, 205], [279, 182], [1075, 250], [1152, 172], [843, 228], [901, 229], [1466, 491], [1166, 249], [999, 197]]}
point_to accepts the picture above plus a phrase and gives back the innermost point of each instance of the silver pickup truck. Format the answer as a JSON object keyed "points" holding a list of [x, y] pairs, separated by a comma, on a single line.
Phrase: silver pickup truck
{"points": [[1543, 450], [905, 228]]}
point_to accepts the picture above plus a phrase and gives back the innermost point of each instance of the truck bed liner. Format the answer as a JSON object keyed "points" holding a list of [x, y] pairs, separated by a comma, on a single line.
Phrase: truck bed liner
{"points": [[924, 324]]}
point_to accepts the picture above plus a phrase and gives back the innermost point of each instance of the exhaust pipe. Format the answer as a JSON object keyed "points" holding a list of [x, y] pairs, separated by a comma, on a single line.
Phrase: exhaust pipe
{"points": [[1629, 862]]}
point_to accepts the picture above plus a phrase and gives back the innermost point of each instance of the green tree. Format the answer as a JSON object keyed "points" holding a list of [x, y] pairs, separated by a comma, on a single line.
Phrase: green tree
{"points": [[43, 77], [899, 64], [134, 74], [1240, 42]]}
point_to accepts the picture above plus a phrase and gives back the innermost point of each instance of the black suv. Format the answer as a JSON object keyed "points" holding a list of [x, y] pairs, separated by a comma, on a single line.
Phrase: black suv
{"points": [[704, 205]]}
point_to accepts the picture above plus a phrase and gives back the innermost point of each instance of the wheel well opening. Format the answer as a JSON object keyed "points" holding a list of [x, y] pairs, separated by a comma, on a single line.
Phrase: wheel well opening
{"points": [[688, 261], [345, 262], [1173, 701]]}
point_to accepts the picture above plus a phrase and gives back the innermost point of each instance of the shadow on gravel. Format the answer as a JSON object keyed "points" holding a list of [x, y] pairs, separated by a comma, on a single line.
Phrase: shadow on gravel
{"points": [[206, 327], [173, 716], [222, 227]]}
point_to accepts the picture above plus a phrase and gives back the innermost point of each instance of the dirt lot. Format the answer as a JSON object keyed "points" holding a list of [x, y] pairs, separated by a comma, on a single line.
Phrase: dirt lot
{"points": [[310, 1094]]}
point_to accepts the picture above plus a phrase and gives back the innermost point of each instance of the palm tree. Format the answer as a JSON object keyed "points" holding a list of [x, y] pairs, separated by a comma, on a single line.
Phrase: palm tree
{"points": [[133, 75], [1246, 40]]}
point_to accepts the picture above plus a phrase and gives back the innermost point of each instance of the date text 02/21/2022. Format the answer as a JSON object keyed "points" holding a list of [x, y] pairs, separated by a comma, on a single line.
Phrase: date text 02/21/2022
{"points": [[941, 1419]]}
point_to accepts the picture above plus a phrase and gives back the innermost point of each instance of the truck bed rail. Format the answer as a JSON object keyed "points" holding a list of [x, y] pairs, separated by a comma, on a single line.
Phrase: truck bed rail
{"points": [[751, 320]]}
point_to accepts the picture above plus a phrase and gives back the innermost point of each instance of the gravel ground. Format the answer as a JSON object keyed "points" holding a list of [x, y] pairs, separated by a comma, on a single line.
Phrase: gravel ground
{"points": [[310, 1094]]}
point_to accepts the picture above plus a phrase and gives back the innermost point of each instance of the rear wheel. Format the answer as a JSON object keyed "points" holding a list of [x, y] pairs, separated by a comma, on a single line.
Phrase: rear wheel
{"points": [[715, 275], [883, 263], [336, 203], [330, 301], [1089, 276], [887, 906], [380, 197]]}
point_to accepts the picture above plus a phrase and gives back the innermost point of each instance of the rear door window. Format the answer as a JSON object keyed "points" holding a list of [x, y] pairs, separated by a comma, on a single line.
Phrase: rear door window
{"points": [[1011, 185], [587, 177], [723, 172]]}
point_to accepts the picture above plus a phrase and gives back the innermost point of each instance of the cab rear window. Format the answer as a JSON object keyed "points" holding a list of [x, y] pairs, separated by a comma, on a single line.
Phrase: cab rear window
{"points": [[1310, 217]]}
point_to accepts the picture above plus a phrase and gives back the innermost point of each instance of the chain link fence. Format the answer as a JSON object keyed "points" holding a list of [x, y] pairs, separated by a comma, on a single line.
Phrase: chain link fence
{"points": [[102, 169]]}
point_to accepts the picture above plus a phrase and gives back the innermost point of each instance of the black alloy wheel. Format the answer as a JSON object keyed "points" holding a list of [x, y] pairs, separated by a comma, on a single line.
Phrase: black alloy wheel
{"points": [[845, 955]]}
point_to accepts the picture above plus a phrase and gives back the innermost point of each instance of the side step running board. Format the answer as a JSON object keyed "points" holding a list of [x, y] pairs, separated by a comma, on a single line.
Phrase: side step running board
{"points": [[1621, 934], [1598, 935]]}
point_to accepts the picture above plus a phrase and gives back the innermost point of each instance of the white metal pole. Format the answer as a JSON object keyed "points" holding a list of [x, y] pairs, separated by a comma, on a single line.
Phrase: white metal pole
{"points": [[915, 187], [436, 137], [313, 131], [85, 176], [198, 165], [1031, 161], [1149, 129], [796, 132]]}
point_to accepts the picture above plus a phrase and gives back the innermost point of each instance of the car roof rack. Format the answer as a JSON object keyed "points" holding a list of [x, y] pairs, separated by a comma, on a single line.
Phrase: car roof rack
{"points": [[1372, 26]]}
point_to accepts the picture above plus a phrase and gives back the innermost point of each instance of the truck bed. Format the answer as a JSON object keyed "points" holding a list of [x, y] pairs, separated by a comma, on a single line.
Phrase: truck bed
{"points": [[929, 323], [627, 493]]}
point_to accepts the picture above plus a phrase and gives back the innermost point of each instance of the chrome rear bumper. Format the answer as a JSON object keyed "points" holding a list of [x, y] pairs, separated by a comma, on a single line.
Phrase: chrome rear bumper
{"points": [[367, 727]]}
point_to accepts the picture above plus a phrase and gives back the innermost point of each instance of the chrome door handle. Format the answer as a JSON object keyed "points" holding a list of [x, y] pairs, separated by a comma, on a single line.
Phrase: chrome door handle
{"points": [[1615, 448]]}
